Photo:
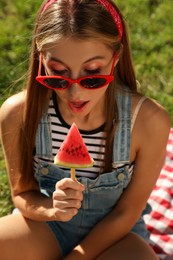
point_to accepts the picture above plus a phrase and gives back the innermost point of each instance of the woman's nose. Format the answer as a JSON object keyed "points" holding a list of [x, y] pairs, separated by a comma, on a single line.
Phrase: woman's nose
{"points": [[75, 89]]}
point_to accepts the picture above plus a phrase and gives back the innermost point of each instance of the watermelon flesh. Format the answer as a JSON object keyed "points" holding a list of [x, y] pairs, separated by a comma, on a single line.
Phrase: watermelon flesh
{"points": [[73, 152]]}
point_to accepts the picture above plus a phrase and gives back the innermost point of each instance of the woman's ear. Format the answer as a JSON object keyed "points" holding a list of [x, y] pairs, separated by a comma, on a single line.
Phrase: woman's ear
{"points": [[121, 50], [119, 54]]}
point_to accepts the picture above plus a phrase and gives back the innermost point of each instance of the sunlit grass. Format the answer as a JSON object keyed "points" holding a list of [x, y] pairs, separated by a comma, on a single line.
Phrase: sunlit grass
{"points": [[5, 197]]}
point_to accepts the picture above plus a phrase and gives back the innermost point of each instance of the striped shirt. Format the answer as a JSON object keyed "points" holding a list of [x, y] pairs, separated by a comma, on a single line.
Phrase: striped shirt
{"points": [[94, 141]]}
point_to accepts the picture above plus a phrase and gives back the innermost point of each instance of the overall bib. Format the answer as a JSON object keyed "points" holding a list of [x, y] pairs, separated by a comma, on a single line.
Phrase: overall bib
{"points": [[101, 194]]}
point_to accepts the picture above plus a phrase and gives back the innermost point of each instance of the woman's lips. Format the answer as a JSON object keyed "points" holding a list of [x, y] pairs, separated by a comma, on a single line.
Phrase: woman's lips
{"points": [[78, 106]]}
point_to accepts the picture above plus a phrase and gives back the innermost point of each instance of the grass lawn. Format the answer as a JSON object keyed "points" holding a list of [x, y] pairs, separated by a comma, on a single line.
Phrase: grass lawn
{"points": [[150, 23], [5, 198]]}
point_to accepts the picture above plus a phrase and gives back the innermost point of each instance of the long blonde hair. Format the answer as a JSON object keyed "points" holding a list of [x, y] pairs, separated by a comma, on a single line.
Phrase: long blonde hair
{"points": [[82, 19]]}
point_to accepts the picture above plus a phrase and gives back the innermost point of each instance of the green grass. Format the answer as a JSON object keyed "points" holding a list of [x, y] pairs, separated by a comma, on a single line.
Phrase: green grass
{"points": [[5, 198], [150, 23]]}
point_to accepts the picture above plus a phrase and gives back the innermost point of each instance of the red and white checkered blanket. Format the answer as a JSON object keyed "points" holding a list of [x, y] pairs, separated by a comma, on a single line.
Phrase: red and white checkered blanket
{"points": [[160, 220]]}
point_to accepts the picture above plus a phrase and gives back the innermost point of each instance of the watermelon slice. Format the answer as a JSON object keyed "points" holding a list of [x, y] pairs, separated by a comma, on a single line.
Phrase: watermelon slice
{"points": [[73, 152]]}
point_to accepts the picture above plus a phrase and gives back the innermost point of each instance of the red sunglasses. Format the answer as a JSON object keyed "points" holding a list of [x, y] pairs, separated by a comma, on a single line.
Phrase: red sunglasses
{"points": [[88, 82]]}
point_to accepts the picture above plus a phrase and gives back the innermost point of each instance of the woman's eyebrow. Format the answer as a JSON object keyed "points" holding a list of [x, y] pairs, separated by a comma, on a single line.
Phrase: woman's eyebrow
{"points": [[56, 60], [99, 57], [91, 59]]}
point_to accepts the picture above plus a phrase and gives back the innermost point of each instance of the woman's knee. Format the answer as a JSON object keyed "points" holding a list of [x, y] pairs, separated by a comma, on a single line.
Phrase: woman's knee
{"points": [[21, 238]]}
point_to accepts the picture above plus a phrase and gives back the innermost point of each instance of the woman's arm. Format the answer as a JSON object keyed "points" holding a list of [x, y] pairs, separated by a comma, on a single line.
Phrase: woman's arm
{"points": [[148, 148], [27, 198]]}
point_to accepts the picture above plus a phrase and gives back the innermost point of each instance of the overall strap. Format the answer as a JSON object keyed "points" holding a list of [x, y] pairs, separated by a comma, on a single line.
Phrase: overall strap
{"points": [[43, 137], [138, 107], [121, 145]]}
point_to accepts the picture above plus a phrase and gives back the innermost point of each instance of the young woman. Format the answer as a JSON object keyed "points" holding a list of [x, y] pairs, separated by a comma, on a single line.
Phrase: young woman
{"points": [[81, 71]]}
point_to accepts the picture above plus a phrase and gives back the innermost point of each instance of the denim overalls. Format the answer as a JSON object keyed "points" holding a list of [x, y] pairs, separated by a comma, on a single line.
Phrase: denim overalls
{"points": [[101, 194]]}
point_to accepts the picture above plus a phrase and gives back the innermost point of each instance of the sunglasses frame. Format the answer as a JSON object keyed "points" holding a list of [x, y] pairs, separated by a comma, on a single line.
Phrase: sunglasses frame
{"points": [[109, 78]]}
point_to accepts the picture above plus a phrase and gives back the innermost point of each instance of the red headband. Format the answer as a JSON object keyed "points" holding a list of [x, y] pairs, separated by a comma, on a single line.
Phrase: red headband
{"points": [[113, 12]]}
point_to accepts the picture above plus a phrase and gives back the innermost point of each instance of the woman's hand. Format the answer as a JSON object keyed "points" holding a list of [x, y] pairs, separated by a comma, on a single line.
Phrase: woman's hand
{"points": [[67, 199]]}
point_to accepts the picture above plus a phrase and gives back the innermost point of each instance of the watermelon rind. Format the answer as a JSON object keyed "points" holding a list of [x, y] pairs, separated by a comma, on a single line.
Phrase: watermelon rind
{"points": [[73, 165]]}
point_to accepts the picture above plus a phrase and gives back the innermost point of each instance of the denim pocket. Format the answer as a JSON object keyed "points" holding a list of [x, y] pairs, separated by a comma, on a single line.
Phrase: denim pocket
{"points": [[106, 191], [47, 176]]}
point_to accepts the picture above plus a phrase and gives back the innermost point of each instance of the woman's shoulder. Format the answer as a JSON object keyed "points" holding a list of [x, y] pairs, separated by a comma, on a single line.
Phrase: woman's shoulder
{"points": [[152, 116], [150, 108], [15, 100], [12, 108]]}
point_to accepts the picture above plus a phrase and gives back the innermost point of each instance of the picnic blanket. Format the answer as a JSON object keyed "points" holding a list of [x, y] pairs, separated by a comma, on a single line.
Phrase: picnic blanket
{"points": [[160, 220]]}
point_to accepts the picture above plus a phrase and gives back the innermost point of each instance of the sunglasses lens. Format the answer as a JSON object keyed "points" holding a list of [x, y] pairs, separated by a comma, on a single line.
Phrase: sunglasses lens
{"points": [[56, 83], [93, 82]]}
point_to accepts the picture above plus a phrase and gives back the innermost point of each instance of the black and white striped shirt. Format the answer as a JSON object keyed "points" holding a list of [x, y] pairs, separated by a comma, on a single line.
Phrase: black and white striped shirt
{"points": [[94, 140]]}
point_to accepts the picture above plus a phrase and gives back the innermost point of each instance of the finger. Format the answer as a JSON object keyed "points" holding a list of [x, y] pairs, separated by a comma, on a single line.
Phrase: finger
{"points": [[65, 214], [69, 183], [67, 194], [63, 205]]}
